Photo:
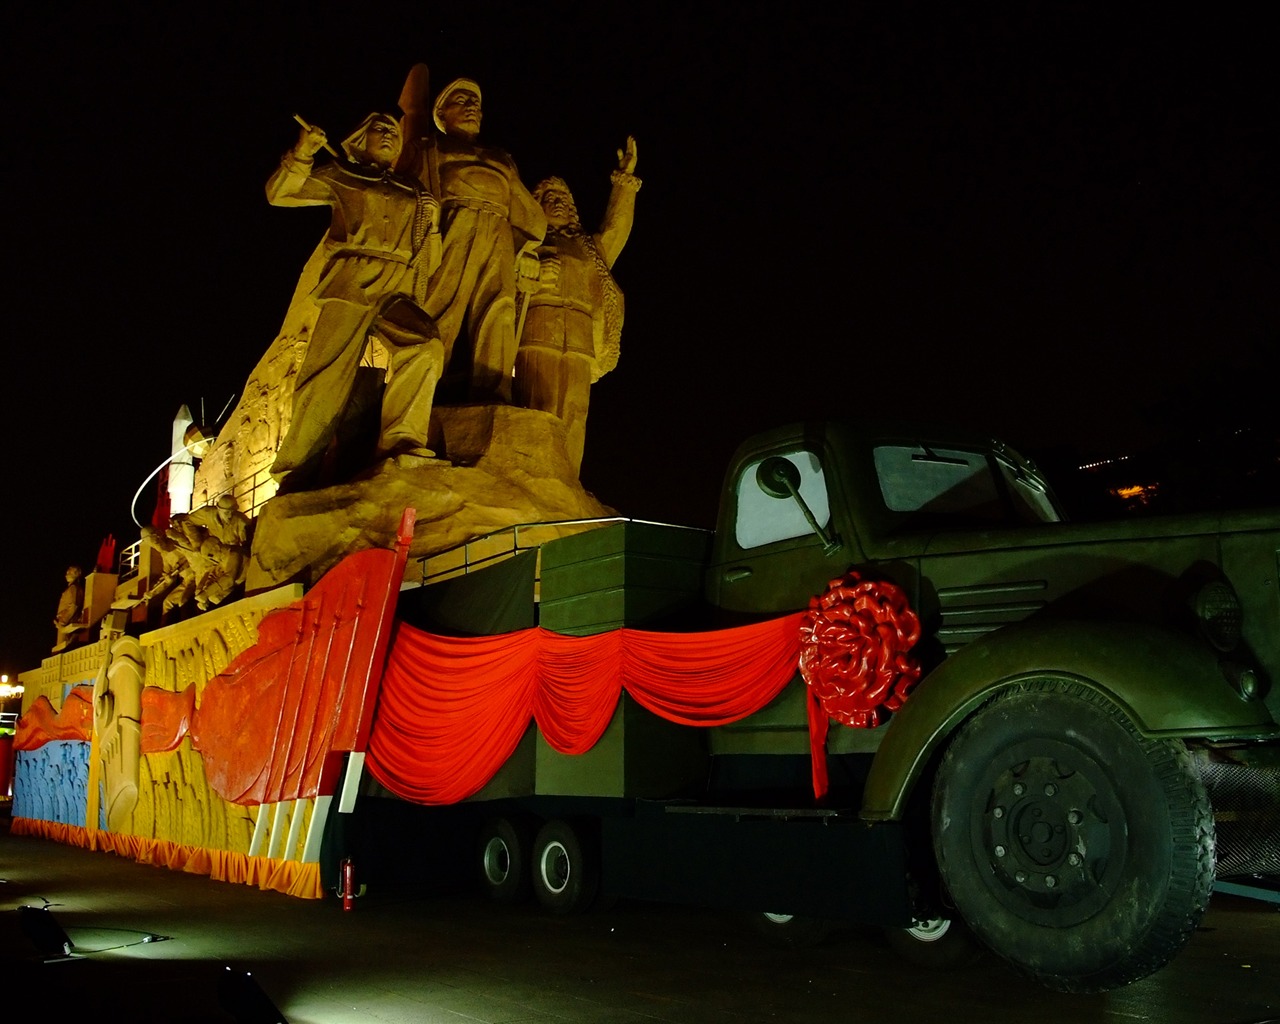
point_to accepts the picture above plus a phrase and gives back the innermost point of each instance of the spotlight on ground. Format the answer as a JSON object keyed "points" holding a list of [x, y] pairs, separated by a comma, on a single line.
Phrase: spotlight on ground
{"points": [[241, 997], [45, 932]]}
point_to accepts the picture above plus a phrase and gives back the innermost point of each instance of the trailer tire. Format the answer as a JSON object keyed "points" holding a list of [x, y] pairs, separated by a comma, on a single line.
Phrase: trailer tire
{"points": [[940, 943], [1074, 847], [566, 869], [502, 856]]}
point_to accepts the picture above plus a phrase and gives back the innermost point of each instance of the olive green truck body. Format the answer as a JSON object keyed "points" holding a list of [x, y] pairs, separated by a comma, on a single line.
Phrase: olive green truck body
{"points": [[1090, 695]]}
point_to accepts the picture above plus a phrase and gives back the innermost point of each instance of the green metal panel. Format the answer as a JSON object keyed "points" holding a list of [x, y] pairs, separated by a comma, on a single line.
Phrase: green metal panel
{"points": [[496, 598], [782, 727], [640, 755], [1168, 684], [624, 574], [516, 776], [1252, 564]]}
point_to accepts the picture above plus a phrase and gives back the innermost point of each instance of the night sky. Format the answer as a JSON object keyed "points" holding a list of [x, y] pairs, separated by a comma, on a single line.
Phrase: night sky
{"points": [[1052, 221]]}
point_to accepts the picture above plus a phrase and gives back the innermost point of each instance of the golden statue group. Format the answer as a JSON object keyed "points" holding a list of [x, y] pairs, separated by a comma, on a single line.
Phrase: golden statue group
{"points": [[438, 353], [471, 286]]}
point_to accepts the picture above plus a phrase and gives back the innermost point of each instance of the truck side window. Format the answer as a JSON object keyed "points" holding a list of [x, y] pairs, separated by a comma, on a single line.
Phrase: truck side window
{"points": [[763, 519], [938, 481]]}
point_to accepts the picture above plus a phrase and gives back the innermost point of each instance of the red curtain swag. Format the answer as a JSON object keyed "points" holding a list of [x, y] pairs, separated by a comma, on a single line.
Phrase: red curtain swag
{"points": [[452, 710]]}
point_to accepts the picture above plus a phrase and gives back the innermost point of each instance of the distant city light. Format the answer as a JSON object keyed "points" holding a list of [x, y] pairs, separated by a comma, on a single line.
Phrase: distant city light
{"points": [[1139, 494], [1103, 462]]}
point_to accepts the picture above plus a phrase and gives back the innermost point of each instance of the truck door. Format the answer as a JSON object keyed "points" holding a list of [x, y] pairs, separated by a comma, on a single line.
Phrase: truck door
{"points": [[777, 542]]}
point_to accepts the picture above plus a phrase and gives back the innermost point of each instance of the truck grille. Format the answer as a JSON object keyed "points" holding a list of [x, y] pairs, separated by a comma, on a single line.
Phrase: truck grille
{"points": [[970, 613], [1246, 813]]}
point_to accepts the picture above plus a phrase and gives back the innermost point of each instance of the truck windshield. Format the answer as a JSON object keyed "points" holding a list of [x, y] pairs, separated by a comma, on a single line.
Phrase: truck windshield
{"points": [[1031, 499], [960, 485], [764, 518]]}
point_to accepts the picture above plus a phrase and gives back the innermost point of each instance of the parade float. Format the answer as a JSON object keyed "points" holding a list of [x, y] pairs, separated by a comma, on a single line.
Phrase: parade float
{"points": [[891, 686]]}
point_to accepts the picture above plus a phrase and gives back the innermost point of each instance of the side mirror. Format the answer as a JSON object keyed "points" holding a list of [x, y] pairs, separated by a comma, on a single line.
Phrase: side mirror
{"points": [[779, 478]]}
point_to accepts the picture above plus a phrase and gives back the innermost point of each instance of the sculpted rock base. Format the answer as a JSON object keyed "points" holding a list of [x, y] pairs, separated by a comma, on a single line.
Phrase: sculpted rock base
{"points": [[497, 466]]}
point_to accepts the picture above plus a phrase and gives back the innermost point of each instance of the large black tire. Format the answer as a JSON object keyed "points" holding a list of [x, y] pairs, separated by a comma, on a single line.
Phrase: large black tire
{"points": [[566, 869], [502, 856], [1075, 848], [940, 943]]}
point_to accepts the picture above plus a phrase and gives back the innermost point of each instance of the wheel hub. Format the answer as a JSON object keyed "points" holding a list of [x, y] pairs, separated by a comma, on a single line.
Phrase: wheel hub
{"points": [[497, 861], [932, 930], [554, 865], [1047, 834]]}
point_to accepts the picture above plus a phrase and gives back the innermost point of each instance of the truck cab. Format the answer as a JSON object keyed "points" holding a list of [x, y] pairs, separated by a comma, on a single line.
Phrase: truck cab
{"points": [[1072, 676]]}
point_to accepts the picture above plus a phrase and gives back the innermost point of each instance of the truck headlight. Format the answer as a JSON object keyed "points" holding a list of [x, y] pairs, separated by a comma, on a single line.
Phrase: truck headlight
{"points": [[1218, 612]]}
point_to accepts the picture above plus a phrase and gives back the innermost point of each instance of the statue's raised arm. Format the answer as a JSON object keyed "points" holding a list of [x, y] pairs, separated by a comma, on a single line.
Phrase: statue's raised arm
{"points": [[572, 331]]}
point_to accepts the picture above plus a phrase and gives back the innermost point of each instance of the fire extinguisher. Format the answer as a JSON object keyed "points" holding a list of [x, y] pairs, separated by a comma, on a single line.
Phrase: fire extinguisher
{"points": [[348, 886]]}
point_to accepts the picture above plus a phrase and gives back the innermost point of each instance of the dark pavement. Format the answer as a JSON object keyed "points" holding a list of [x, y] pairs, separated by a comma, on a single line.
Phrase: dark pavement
{"points": [[411, 955]]}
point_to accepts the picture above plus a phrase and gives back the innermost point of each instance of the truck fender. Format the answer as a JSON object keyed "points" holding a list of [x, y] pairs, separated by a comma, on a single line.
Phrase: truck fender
{"points": [[1169, 684]]}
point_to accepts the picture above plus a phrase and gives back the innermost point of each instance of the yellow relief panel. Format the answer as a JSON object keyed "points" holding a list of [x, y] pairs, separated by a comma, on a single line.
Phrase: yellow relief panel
{"points": [[166, 796]]}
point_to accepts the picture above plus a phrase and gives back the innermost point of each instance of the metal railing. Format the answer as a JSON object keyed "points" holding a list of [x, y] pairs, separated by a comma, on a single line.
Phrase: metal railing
{"points": [[128, 565], [250, 493]]}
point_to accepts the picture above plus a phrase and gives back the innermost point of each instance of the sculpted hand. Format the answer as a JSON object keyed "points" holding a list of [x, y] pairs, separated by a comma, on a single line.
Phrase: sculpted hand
{"points": [[549, 271], [627, 157], [526, 271], [310, 141]]}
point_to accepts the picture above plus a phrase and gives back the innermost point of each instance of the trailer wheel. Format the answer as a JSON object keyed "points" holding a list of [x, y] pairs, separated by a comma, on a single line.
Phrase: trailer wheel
{"points": [[942, 943], [503, 859], [566, 871], [1074, 847]]}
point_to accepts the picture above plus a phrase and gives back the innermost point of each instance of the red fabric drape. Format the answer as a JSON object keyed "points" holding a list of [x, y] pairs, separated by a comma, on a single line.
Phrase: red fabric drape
{"points": [[452, 710]]}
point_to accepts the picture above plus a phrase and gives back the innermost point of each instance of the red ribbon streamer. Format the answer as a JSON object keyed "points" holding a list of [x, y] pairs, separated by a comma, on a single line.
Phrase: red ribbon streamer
{"points": [[855, 644]]}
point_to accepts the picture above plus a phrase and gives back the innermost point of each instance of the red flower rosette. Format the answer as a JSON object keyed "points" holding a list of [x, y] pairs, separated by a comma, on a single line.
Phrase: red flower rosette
{"points": [[855, 649]]}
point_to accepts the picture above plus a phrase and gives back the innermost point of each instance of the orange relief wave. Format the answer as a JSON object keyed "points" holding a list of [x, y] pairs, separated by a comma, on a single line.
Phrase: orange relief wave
{"points": [[42, 724]]}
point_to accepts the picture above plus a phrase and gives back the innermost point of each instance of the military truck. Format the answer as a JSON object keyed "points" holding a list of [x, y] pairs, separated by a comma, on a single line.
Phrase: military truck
{"points": [[1047, 785]]}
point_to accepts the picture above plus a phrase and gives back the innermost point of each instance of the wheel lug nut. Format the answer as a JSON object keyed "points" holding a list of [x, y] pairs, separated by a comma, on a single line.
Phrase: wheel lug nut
{"points": [[1050, 881], [998, 812], [1019, 789], [1050, 789], [1000, 851], [1020, 877], [1075, 817], [1074, 860]]}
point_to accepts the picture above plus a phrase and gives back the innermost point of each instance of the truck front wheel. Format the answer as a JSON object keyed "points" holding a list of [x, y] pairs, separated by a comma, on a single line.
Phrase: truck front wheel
{"points": [[1075, 848], [566, 870]]}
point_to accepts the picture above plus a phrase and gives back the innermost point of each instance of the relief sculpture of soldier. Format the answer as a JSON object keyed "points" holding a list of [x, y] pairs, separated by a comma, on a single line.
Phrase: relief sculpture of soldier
{"points": [[69, 618], [488, 221], [572, 327], [381, 247]]}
